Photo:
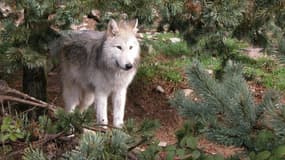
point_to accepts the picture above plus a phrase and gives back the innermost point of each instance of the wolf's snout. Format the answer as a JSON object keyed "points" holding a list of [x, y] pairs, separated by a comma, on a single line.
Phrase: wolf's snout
{"points": [[129, 66]]}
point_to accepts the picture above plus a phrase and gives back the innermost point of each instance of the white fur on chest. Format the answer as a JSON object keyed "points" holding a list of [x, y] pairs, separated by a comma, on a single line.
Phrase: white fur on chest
{"points": [[109, 82]]}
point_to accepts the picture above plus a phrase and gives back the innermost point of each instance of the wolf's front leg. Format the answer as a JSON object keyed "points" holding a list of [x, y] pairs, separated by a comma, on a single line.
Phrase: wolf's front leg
{"points": [[100, 104], [119, 100]]}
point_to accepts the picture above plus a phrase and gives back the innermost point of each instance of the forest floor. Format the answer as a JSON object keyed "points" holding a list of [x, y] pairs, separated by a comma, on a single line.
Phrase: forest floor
{"points": [[144, 101]]}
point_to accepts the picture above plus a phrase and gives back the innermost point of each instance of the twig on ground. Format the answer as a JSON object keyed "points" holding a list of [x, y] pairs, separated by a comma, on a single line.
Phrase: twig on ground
{"points": [[46, 139], [36, 144], [28, 110], [185, 157], [95, 129], [106, 126], [138, 144]]}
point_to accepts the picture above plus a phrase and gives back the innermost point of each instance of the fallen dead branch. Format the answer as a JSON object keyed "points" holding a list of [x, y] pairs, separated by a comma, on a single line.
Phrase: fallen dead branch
{"points": [[11, 98], [10, 94]]}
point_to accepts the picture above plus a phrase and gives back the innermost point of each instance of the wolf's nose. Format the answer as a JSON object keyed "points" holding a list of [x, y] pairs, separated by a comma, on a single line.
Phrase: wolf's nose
{"points": [[129, 66]]}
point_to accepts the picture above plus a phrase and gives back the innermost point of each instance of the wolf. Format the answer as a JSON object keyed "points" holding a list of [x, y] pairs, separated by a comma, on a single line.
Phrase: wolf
{"points": [[96, 65]]}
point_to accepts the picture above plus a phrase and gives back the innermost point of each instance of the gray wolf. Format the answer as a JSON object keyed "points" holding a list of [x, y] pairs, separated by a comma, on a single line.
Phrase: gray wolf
{"points": [[96, 65]]}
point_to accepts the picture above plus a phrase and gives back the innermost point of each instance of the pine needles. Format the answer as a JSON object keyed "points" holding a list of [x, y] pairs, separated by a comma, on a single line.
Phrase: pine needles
{"points": [[225, 109]]}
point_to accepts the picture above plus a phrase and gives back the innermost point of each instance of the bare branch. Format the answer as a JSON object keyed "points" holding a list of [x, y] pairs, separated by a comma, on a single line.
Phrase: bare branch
{"points": [[11, 98], [17, 96]]}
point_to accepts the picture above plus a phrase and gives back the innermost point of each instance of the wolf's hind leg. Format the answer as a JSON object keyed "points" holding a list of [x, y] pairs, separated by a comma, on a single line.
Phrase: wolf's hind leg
{"points": [[87, 98], [71, 94]]}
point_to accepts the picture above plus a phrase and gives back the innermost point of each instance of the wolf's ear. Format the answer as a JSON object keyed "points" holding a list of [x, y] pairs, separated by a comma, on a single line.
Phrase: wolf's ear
{"points": [[134, 25], [112, 28]]}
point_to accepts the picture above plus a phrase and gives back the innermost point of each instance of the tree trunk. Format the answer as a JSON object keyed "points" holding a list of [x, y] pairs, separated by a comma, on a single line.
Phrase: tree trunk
{"points": [[35, 84]]}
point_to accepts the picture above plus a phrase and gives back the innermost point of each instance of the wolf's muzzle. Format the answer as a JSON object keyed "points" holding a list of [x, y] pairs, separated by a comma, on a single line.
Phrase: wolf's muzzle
{"points": [[129, 66], [126, 67]]}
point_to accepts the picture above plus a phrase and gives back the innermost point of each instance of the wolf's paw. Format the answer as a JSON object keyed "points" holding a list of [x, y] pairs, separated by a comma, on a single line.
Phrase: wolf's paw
{"points": [[118, 124]]}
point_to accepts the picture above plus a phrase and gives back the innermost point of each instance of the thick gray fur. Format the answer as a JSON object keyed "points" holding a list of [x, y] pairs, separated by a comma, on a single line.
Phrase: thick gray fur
{"points": [[95, 65]]}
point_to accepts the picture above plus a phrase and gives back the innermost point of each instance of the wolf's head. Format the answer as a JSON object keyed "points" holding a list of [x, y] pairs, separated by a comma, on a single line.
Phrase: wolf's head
{"points": [[121, 47]]}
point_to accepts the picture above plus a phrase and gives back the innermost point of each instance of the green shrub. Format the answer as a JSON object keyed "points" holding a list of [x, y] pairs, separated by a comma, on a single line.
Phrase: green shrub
{"points": [[11, 129], [225, 110], [162, 44]]}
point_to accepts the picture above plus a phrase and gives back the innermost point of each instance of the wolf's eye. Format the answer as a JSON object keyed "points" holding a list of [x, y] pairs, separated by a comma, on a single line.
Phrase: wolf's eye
{"points": [[131, 47], [119, 47]]}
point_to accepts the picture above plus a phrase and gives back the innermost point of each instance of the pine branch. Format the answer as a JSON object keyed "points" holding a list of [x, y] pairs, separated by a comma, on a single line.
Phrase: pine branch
{"points": [[33, 154], [225, 109]]}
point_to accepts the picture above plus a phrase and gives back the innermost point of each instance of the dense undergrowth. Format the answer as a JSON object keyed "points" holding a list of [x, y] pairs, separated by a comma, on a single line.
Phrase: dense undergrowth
{"points": [[216, 33], [261, 140]]}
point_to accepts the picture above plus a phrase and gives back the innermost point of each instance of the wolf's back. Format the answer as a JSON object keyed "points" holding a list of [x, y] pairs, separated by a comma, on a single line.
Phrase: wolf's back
{"points": [[84, 38]]}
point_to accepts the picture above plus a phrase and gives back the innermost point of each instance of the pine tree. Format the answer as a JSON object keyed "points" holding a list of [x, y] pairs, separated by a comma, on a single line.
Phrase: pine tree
{"points": [[208, 24], [225, 110], [261, 18], [28, 37], [144, 10]]}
